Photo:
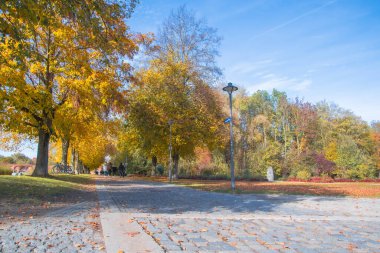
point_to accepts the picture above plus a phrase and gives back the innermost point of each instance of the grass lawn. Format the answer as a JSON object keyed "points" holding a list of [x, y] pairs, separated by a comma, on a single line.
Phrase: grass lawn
{"points": [[353, 189], [33, 190]]}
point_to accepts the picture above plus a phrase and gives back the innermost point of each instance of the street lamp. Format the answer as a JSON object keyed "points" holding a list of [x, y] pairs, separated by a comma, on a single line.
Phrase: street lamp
{"points": [[229, 89]]}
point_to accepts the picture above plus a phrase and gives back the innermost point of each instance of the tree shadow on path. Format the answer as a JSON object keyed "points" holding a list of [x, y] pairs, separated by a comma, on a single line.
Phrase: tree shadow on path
{"points": [[159, 198]]}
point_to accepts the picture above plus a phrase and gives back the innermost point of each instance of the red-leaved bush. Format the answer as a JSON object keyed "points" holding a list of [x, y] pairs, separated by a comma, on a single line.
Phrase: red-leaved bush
{"points": [[323, 166], [331, 180]]}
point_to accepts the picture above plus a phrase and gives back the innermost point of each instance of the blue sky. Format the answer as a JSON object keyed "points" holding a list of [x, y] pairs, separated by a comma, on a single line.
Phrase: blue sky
{"points": [[312, 49]]}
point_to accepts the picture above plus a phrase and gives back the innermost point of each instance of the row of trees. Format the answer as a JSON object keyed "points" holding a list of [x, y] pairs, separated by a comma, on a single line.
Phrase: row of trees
{"points": [[177, 87], [300, 139], [296, 138], [64, 65], [17, 158], [66, 77]]}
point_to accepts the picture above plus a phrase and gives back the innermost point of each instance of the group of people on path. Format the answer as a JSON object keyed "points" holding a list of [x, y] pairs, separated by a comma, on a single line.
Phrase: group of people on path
{"points": [[108, 170]]}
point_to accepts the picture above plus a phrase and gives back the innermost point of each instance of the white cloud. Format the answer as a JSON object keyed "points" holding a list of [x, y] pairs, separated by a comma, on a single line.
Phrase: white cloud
{"points": [[271, 81], [249, 67], [291, 21]]}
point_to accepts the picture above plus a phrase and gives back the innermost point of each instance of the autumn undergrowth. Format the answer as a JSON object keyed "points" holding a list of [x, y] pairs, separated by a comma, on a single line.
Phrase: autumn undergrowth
{"points": [[34, 190], [5, 169], [352, 189]]}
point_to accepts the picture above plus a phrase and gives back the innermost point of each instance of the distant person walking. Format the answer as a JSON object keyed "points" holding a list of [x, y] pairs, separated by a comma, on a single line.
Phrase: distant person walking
{"points": [[105, 171], [121, 170], [109, 169]]}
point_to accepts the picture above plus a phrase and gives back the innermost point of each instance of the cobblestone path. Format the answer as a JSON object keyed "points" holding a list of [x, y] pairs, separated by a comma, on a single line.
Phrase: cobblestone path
{"points": [[74, 228], [183, 219]]}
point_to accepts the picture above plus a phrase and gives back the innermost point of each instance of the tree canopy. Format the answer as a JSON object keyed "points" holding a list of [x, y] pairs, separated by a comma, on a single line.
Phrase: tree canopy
{"points": [[66, 78], [56, 51]]}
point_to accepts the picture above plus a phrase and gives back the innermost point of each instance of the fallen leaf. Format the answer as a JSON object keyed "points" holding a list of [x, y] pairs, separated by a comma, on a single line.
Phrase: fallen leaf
{"points": [[133, 234], [351, 246], [261, 242]]}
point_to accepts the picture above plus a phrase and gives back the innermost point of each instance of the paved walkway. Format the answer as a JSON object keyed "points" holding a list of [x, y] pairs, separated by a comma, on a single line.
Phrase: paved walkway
{"points": [[74, 228], [154, 217]]}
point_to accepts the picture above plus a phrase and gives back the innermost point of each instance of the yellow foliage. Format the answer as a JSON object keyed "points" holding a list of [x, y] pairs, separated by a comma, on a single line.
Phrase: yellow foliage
{"points": [[331, 152], [59, 73], [169, 91]]}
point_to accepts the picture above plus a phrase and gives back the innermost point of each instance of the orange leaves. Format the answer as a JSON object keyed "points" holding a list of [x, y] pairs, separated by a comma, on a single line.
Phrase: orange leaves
{"points": [[145, 39], [26, 238], [79, 245], [93, 215], [94, 225], [76, 229], [261, 242], [233, 244], [352, 247], [133, 234], [355, 189]]}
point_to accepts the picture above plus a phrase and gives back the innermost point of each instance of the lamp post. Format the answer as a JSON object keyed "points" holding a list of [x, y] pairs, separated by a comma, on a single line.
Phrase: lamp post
{"points": [[229, 89], [170, 150]]}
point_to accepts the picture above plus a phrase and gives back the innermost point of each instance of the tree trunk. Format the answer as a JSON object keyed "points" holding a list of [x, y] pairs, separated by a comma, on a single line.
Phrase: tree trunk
{"points": [[41, 169], [73, 159], [80, 167], [284, 132], [275, 134], [175, 160], [77, 171], [298, 145], [265, 137], [65, 150], [245, 167], [154, 163]]}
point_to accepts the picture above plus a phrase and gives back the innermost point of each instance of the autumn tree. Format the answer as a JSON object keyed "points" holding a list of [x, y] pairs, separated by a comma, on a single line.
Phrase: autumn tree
{"points": [[176, 87], [50, 50], [305, 120], [159, 96], [375, 135], [189, 40]]}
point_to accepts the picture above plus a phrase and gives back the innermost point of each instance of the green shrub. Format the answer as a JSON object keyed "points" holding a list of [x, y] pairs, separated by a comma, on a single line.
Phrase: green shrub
{"points": [[8, 159], [207, 172], [21, 158], [5, 170], [160, 169]]}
